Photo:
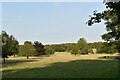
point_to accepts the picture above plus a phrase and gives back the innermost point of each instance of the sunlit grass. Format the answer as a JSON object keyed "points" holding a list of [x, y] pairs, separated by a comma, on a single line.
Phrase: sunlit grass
{"points": [[61, 65]]}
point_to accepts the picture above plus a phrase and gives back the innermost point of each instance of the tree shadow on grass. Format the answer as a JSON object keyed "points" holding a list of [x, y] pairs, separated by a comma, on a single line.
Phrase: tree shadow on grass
{"points": [[109, 57], [15, 62], [72, 69]]}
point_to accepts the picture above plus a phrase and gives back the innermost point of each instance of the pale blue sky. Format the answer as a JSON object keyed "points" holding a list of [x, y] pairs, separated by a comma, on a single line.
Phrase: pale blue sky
{"points": [[53, 22]]}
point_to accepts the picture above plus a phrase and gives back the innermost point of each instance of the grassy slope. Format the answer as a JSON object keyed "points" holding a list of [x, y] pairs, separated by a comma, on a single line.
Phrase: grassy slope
{"points": [[62, 65]]}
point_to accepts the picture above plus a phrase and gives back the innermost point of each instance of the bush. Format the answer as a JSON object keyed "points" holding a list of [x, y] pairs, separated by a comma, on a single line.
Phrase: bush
{"points": [[49, 52], [75, 51], [90, 51]]}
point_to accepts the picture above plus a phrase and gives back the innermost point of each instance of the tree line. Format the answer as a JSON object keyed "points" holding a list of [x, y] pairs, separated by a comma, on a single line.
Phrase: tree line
{"points": [[10, 46], [83, 47]]}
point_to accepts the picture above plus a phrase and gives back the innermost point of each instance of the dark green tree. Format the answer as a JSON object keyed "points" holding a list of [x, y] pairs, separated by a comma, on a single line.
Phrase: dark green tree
{"points": [[111, 16], [108, 48], [39, 48], [9, 45], [49, 51], [14, 45]]}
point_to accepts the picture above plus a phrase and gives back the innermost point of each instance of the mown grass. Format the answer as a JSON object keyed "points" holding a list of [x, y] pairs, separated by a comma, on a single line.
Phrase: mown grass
{"points": [[63, 68]]}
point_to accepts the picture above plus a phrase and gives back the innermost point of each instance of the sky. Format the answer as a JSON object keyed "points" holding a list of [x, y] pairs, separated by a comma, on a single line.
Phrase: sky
{"points": [[51, 22]]}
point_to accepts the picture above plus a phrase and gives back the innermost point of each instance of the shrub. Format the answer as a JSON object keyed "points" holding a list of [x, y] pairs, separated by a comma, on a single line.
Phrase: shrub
{"points": [[49, 52], [90, 51], [75, 51]]}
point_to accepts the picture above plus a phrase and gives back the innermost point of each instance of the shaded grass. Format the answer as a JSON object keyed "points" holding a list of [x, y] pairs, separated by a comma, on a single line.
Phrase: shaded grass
{"points": [[15, 62], [71, 69]]}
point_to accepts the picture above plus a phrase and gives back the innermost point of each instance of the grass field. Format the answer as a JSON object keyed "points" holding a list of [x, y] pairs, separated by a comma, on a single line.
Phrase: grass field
{"points": [[61, 65]]}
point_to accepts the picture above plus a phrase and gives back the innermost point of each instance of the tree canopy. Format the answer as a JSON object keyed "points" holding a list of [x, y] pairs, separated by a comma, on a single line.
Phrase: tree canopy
{"points": [[9, 45], [39, 48], [27, 49], [82, 45], [111, 16]]}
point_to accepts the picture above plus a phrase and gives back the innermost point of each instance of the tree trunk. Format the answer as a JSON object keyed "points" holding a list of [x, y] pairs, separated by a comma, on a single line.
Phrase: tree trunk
{"points": [[3, 60], [75, 53], [27, 57], [14, 55]]}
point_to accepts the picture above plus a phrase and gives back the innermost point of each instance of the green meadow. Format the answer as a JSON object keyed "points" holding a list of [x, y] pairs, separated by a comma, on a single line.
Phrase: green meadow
{"points": [[61, 65]]}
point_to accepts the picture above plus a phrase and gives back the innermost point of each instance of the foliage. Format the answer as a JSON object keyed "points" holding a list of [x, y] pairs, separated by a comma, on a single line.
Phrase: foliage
{"points": [[27, 49], [14, 45], [90, 51], [75, 51], [0, 46], [39, 48], [111, 16], [96, 45], [9, 45], [108, 48], [66, 47], [21, 50], [118, 45], [49, 50], [57, 47], [82, 46], [70, 46]]}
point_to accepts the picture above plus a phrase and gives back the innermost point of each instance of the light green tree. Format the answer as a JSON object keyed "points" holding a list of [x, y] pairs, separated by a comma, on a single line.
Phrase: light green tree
{"points": [[82, 46], [27, 49]]}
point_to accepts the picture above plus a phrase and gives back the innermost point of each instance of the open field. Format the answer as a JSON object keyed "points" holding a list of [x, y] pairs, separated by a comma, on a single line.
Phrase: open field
{"points": [[61, 65]]}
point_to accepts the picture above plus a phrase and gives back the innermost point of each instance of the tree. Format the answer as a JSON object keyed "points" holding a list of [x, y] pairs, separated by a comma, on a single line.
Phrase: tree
{"points": [[14, 45], [27, 49], [49, 50], [70, 46], [0, 46], [75, 51], [111, 48], [96, 45], [58, 47], [9, 45], [90, 51], [39, 48], [21, 50], [82, 46], [111, 16]]}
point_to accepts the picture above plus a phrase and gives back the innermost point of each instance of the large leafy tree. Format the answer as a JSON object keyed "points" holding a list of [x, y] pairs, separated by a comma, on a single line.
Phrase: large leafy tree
{"points": [[82, 46], [9, 45], [48, 50], [39, 48], [111, 48], [14, 46], [111, 16], [27, 49]]}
